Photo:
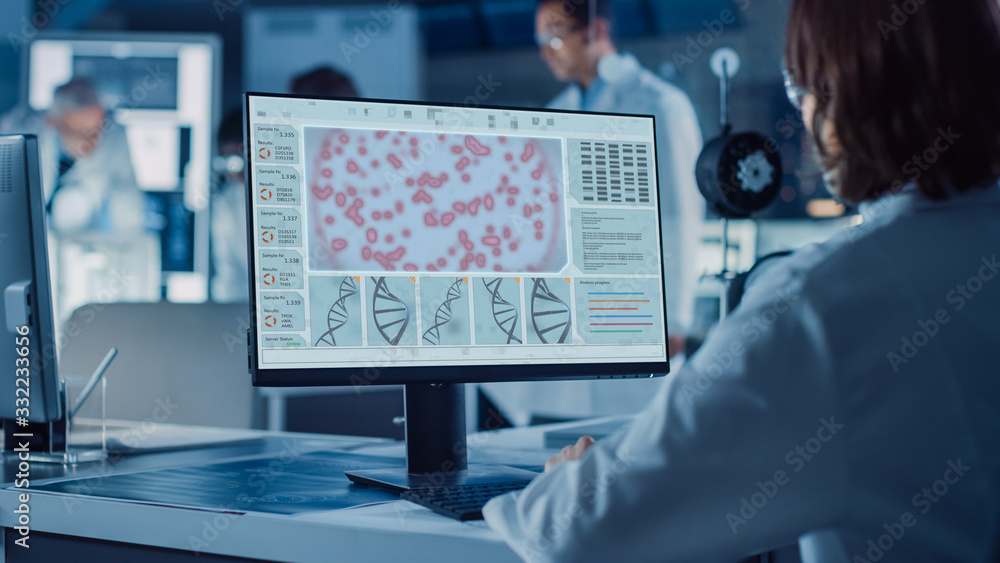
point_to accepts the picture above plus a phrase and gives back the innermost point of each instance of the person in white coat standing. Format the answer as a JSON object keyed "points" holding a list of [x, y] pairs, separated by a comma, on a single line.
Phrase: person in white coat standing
{"points": [[88, 177], [87, 173], [575, 40], [849, 403]]}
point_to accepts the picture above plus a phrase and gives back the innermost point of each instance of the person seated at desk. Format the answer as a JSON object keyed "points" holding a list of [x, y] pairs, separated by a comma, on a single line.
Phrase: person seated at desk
{"points": [[850, 402], [86, 166]]}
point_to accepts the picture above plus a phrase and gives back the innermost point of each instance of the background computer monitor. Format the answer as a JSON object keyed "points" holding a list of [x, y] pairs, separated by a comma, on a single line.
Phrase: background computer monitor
{"points": [[164, 90], [24, 280], [424, 244]]}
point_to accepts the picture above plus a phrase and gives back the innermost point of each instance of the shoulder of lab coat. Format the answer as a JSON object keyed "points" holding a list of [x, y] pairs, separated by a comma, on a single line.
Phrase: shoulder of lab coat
{"points": [[569, 99], [661, 491], [790, 425], [22, 120]]}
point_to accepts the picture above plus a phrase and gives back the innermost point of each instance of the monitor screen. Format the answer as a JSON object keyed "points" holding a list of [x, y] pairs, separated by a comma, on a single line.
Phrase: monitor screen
{"points": [[395, 242]]}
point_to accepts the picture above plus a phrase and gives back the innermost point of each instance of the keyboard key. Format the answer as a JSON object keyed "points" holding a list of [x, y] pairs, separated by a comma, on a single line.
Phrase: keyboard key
{"points": [[463, 502]]}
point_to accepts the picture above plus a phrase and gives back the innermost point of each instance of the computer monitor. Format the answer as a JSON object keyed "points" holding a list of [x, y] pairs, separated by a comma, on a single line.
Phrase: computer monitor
{"points": [[433, 245], [29, 350]]}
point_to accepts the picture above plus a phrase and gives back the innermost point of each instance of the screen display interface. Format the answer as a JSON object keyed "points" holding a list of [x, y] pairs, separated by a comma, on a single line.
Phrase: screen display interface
{"points": [[422, 235]]}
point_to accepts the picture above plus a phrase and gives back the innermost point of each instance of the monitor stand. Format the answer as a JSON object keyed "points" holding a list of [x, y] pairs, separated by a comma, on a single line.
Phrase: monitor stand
{"points": [[45, 442], [436, 448]]}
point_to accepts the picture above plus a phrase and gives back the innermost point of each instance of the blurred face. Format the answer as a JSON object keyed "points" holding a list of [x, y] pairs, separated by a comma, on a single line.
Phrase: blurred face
{"points": [[80, 130], [563, 43]]}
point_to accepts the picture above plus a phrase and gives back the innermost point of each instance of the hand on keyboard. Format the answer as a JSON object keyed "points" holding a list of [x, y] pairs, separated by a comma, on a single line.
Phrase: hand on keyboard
{"points": [[569, 453]]}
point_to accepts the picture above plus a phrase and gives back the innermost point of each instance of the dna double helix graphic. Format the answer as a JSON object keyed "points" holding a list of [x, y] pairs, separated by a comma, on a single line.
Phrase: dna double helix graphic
{"points": [[393, 315], [338, 315], [548, 313], [443, 314], [505, 314]]}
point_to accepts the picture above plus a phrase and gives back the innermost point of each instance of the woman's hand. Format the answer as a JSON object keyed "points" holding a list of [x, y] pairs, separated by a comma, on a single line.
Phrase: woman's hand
{"points": [[570, 453]]}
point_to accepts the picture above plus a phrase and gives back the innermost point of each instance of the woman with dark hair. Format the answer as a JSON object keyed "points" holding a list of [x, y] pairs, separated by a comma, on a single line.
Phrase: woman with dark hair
{"points": [[851, 402]]}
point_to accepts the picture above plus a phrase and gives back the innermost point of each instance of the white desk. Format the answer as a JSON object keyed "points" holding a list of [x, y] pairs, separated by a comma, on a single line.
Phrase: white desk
{"points": [[124, 529]]}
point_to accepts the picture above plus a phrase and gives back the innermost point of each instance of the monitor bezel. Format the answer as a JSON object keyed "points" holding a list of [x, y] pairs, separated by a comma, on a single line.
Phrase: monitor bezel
{"points": [[399, 375]]}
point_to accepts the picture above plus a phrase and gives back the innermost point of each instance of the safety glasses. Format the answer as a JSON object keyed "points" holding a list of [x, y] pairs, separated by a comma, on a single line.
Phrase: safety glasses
{"points": [[794, 92], [555, 40]]}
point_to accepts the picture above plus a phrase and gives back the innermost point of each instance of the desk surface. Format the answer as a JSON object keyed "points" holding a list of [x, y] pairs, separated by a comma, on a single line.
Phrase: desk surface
{"points": [[82, 502]]}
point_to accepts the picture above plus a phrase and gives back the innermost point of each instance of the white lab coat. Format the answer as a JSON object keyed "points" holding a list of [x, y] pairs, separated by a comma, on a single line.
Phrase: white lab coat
{"points": [[230, 284], [851, 398], [98, 188], [623, 86]]}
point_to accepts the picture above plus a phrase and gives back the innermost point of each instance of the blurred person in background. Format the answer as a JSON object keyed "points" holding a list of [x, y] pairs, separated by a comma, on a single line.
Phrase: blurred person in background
{"points": [[87, 170], [323, 81], [575, 40], [95, 206], [860, 419]]}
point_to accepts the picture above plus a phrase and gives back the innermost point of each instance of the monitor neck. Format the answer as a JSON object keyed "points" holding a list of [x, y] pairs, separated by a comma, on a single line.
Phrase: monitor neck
{"points": [[436, 446], [435, 429]]}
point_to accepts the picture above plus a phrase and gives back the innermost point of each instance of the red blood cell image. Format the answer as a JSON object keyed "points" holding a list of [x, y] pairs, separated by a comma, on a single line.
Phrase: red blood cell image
{"points": [[441, 190]]}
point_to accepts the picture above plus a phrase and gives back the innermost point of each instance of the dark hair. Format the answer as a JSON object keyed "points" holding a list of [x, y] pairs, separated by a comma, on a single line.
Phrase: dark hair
{"points": [[579, 10], [901, 81], [323, 81]]}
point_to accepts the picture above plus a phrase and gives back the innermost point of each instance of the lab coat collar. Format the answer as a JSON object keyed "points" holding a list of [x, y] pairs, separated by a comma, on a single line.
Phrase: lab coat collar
{"points": [[615, 68], [909, 200], [614, 73]]}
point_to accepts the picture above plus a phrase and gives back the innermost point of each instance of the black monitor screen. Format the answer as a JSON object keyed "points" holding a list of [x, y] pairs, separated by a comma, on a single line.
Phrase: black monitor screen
{"points": [[395, 242]]}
